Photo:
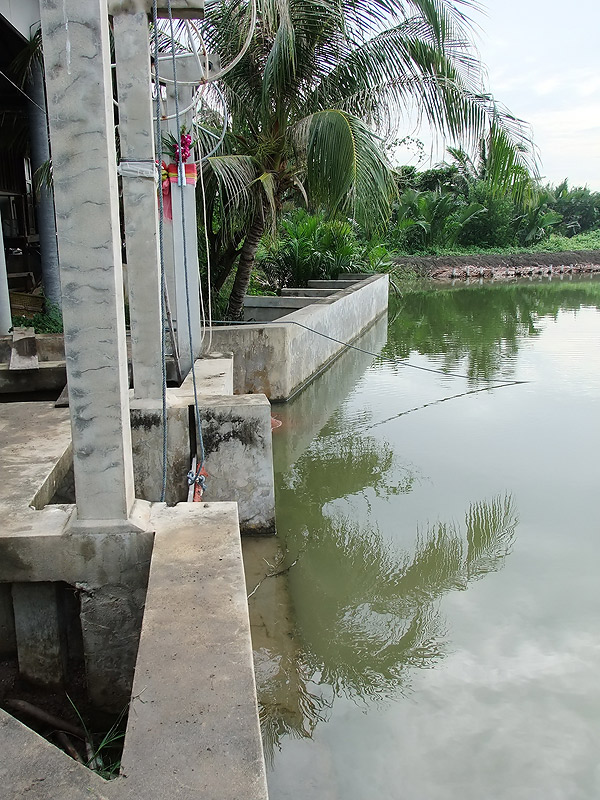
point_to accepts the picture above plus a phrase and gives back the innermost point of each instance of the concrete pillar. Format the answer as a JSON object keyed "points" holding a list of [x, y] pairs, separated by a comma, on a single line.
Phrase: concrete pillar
{"points": [[40, 153], [8, 642], [174, 252], [80, 102], [38, 633], [237, 430], [187, 302], [147, 445], [136, 132], [5, 315]]}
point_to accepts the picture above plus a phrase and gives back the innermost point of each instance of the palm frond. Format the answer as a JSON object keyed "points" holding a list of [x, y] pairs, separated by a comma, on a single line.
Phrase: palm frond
{"points": [[346, 168]]}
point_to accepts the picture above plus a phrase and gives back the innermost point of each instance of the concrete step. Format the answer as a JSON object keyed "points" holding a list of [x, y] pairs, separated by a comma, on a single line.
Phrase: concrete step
{"points": [[307, 292], [331, 284], [214, 376]]}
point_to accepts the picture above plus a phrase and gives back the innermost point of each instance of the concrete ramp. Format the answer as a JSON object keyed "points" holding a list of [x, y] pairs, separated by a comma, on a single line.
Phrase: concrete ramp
{"points": [[193, 728]]}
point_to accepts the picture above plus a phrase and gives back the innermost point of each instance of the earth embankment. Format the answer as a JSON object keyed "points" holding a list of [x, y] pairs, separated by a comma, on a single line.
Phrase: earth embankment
{"points": [[494, 265]]}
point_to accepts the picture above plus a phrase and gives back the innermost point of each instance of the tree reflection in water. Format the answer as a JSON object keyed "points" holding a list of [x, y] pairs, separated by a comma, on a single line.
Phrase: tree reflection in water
{"points": [[369, 611], [480, 324]]}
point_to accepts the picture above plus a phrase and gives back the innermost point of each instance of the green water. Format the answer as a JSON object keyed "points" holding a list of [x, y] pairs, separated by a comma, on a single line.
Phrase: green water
{"points": [[431, 629]]}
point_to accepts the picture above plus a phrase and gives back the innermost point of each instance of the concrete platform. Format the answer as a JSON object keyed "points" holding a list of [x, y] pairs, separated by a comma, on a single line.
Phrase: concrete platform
{"points": [[35, 441], [193, 727], [193, 731]]}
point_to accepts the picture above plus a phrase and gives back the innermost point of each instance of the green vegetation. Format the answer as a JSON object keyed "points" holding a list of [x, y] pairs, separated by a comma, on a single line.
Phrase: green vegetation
{"points": [[47, 321], [104, 750], [308, 108]]}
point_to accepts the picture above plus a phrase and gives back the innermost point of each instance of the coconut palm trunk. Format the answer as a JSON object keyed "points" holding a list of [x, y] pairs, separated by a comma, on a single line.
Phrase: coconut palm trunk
{"points": [[235, 307]]}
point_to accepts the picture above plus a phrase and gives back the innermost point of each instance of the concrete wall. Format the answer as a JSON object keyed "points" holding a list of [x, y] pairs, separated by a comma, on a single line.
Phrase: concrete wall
{"points": [[279, 358], [239, 458], [110, 572]]}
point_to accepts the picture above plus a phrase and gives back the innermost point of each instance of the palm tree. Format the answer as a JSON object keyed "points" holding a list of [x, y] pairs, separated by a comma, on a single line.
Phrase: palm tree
{"points": [[319, 78], [501, 164]]}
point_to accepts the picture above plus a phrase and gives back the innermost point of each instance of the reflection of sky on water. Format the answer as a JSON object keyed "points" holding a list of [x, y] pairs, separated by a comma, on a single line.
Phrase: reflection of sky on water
{"points": [[378, 520]]}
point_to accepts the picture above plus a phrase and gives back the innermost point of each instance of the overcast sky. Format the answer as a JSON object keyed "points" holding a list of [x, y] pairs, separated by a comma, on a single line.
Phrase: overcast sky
{"points": [[543, 62]]}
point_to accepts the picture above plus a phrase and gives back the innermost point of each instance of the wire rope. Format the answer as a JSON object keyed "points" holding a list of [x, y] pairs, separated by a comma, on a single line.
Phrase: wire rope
{"points": [[158, 145], [394, 361]]}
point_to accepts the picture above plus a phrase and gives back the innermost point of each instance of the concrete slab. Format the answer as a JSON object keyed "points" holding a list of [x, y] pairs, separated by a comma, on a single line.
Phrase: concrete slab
{"points": [[214, 376], [49, 377], [31, 767], [34, 439], [341, 284], [279, 358], [193, 728]]}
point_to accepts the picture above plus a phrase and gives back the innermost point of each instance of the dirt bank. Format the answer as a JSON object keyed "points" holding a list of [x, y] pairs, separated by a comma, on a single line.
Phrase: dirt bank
{"points": [[503, 266]]}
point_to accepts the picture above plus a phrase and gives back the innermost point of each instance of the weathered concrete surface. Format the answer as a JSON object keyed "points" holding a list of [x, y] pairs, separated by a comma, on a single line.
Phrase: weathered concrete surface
{"points": [[237, 438], [79, 88], [32, 768], [8, 640], [24, 351], [214, 377], [277, 359], [110, 570], [42, 656], [147, 444], [213, 373], [139, 199], [49, 346], [193, 728], [339, 284], [51, 376], [34, 439]]}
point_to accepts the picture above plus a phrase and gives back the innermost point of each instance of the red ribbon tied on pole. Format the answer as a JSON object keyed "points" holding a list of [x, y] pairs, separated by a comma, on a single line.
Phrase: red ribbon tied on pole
{"points": [[169, 175]]}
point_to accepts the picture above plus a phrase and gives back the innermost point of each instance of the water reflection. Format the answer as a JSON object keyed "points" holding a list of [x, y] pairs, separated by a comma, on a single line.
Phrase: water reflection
{"points": [[481, 324], [372, 611]]}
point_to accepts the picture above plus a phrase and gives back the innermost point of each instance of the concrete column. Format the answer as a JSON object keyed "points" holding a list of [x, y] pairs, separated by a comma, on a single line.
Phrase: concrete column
{"points": [[139, 198], [40, 152], [38, 633], [5, 315], [8, 643], [79, 88], [174, 255]]}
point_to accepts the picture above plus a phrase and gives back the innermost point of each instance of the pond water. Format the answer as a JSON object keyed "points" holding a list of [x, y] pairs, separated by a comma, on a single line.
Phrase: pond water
{"points": [[426, 624]]}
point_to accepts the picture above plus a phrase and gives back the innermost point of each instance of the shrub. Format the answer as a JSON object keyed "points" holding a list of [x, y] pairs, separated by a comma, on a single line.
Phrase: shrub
{"points": [[495, 226], [579, 208], [47, 321], [309, 247]]}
